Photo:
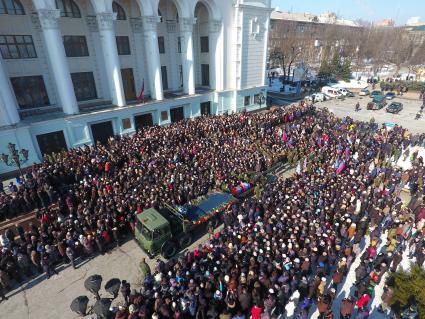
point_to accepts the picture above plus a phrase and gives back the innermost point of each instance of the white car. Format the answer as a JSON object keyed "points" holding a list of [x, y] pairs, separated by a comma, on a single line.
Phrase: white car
{"points": [[330, 92], [318, 97], [343, 91]]}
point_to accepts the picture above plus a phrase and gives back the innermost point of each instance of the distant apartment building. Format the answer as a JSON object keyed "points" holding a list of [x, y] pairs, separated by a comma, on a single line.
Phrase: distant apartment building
{"points": [[417, 32], [316, 33]]}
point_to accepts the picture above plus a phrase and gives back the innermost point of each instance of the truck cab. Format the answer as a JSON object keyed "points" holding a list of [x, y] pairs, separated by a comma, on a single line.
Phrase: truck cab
{"points": [[152, 231]]}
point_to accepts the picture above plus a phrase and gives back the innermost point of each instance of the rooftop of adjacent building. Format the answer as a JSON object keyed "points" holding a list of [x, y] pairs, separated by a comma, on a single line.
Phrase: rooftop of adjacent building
{"points": [[326, 18]]}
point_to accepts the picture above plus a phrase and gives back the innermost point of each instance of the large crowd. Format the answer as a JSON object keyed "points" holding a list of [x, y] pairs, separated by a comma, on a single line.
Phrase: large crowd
{"points": [[280, 253]]}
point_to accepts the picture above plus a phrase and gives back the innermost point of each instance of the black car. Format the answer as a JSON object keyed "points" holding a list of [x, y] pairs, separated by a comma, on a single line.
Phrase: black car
{"points": [[395, 107]]}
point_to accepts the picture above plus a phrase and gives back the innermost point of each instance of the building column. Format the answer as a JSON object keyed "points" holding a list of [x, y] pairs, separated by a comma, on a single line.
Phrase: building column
{"points": [[150, 26], [105, 22], [186, 33], [215, 55], [56, 53], [8, 106]]}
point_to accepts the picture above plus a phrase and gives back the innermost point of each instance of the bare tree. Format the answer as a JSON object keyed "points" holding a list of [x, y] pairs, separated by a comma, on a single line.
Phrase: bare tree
{"points": [[288, 47], [292, 42]]}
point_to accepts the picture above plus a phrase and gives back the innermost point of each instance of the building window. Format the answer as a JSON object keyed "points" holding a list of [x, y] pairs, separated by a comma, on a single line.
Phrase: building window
{"points": [[123, 45], [84, 86], [17, 47], [164, 77], [206, 108], [164, 116], [53, 142], [13, 7], [68, 8], [257, 98], [30, 91], [247, 100], [205, 48], [119, 11], [179, 44], [75, 45], [205, 70], [161, 45]]}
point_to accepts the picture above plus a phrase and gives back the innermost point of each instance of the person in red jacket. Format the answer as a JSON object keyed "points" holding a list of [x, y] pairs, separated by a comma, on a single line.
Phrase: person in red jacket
{"points": [[363, 301], [256, 311], [107, 168]]}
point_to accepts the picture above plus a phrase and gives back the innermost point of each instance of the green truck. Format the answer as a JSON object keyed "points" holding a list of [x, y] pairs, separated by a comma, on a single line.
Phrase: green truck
{"points": [[170, 229]]}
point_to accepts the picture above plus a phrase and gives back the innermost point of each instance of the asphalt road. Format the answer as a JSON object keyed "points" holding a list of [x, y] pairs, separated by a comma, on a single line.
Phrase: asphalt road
{"points": [[405, 118]]}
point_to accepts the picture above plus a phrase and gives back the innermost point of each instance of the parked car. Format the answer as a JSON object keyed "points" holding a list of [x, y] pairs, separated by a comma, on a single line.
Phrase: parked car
{"points": [[377, 103], [364, 92], [318, 97], [345, 92], [390, 95], [375, 93], [331, 92], [350, 94], [395, 107]]}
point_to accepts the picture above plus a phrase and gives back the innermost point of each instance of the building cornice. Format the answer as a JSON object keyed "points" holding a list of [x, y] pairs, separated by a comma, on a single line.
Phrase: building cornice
{"points": [[257, 8]]}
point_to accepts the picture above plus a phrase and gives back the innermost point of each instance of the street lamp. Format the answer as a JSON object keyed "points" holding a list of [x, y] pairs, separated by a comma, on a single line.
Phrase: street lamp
{"points": [[15, 157]]}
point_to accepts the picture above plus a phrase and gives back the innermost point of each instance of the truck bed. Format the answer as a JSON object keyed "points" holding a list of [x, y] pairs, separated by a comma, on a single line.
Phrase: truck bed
{"points": [[209, 206]]}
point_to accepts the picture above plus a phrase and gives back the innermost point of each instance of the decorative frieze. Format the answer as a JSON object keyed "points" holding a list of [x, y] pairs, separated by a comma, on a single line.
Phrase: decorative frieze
{"points": [[257, 28], [91, 22], [186, 24], [150, 23], [105, 20], [49, 18], [136, 25], [171, 27]]}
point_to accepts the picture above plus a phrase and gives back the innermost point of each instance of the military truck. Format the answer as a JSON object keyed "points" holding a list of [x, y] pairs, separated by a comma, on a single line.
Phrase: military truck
{"points": [[170, 229]]}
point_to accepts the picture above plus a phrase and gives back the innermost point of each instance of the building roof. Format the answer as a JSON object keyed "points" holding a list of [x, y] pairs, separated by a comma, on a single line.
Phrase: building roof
{"points": [[325, 18], [301, 17], [418, 28]]}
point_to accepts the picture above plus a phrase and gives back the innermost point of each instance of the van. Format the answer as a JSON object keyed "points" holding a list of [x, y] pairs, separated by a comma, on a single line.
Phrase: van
{"points": [[331, 92]]}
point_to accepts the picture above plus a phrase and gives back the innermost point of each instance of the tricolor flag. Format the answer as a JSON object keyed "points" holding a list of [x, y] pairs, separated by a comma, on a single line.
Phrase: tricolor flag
{"points": [[340, 167], [142, 92]]}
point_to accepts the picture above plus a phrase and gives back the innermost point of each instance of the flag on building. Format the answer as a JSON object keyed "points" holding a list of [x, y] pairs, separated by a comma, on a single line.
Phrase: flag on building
{"points": [[142, 92]]}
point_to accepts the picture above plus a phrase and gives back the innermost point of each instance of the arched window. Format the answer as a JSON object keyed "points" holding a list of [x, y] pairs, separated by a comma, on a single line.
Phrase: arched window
{"points": [[68, 8], [119, 11], [11, 7]]}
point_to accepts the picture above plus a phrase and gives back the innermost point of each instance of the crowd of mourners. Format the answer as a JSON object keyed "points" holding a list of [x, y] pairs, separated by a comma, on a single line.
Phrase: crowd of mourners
{"points": [[284, 252]]}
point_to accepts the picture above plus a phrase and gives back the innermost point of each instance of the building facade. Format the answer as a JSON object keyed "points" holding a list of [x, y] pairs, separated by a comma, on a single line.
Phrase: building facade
{"points": [[314, 35], [72, 71]]}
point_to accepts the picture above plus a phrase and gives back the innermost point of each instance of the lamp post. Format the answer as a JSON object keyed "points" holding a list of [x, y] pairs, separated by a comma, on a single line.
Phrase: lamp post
{"points": [[15, 157]]}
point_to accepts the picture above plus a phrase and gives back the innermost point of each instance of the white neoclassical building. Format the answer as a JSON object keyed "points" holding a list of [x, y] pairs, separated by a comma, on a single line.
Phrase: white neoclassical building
{"points": [[72, 71]]}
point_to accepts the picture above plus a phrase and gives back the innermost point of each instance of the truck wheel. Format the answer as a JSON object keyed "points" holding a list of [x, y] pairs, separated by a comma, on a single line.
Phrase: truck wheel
{"points": [[168, 250], [185, 241]]}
